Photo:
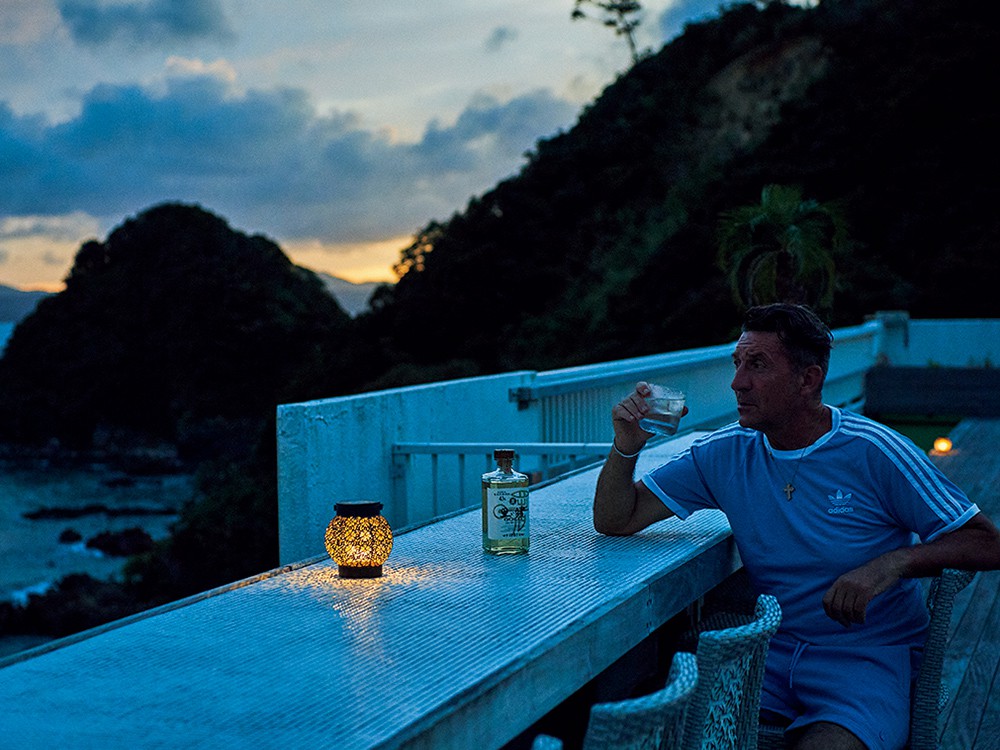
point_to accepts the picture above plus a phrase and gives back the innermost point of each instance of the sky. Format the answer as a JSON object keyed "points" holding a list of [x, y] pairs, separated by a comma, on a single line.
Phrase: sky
{"points": [[336, 128]]}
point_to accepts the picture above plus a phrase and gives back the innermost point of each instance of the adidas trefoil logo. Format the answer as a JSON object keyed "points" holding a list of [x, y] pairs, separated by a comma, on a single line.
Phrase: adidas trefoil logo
{"points": [[840, 503]]}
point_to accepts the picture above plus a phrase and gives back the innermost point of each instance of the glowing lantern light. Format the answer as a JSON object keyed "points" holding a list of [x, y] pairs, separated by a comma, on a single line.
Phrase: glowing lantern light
{"points": [[942, 445], [359, 539]]}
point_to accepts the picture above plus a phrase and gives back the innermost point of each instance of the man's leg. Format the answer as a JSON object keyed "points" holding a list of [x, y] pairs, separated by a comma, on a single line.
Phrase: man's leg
{"points": [[825, 736]]}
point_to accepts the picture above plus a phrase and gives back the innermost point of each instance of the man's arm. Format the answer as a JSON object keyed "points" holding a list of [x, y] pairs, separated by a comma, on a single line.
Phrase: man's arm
{"points": [[973, 546], [623, 506]]}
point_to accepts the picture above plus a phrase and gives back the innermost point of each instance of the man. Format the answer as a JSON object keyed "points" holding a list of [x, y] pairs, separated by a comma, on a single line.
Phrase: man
{"points": [[823, 505]]}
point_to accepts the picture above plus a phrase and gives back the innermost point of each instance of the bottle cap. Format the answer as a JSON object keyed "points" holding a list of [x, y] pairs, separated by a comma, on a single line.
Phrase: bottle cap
{"points": [[501, 453]]}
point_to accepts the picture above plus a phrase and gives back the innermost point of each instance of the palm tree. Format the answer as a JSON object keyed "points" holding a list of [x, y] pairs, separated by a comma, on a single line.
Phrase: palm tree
{"points": [[781, 250]]}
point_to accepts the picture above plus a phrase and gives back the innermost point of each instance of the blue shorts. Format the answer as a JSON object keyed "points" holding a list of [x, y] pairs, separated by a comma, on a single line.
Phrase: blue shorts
{"points": [[864, 690]]}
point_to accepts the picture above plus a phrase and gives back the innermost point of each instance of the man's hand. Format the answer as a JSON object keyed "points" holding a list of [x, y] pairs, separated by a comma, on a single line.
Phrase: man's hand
{"points": [[847, 600], [973, 546], [626, 414]]}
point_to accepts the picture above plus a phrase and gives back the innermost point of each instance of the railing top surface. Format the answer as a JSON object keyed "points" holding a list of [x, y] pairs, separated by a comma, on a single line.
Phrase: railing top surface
{"points": [[445, 643], [567, 379], [403, 391], [534, 449]]}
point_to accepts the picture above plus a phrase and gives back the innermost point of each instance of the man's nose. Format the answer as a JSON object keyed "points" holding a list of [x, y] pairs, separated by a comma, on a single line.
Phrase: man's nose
{"points": [[740, 381]]}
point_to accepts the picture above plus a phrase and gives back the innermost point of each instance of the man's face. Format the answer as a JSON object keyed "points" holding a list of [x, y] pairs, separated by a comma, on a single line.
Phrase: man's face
{"points": [[768, 388]]}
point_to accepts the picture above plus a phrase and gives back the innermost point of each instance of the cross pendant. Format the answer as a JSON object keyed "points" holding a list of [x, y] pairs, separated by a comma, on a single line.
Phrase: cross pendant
{"points": [[788, 490]]}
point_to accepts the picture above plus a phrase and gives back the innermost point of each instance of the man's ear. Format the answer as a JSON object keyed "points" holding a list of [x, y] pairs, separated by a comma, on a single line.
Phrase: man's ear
{"points": [[812, 379]]}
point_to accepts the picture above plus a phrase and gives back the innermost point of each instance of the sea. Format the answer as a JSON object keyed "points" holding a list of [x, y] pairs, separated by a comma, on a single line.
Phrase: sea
{"points": [[32, 557]]}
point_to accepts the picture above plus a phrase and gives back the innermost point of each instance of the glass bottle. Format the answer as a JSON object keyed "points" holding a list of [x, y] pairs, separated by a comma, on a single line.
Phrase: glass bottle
{"points": [[505, 507]]}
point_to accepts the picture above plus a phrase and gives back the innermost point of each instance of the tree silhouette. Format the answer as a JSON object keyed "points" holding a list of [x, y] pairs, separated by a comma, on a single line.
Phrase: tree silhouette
{"points": [[781, 249], [616, 14]]}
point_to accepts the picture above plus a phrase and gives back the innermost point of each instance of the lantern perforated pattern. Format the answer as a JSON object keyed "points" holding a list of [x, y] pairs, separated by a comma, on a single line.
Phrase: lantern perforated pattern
{"points": [[359, 540]]}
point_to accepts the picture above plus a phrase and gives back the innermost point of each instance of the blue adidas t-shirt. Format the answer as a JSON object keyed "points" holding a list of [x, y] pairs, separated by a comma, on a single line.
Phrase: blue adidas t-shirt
{"points": [[860, 490]]}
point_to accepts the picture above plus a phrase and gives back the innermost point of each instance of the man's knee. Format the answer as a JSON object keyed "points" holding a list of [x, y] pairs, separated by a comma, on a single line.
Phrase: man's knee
{"points": [[825, 736]]}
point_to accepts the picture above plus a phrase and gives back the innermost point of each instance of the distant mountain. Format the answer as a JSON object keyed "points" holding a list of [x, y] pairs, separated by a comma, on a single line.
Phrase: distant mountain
{"points": [[17, 304], [352, 297], [176, 327]]}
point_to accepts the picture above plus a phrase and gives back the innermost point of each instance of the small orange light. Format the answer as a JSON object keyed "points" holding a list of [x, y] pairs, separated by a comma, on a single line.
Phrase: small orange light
{"points": [[942, 445]]}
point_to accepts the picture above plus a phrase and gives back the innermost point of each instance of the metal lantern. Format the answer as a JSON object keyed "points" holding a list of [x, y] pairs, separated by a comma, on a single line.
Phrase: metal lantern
{"points": [[359, 539], [942, 445]]}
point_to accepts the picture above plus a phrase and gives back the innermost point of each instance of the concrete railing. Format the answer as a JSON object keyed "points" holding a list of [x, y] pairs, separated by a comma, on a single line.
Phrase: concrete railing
{"points": [[972, 342], [380, 445]]}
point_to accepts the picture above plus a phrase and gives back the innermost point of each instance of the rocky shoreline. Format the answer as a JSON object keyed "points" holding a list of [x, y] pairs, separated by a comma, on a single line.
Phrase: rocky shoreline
{"points": [[72, 521]]}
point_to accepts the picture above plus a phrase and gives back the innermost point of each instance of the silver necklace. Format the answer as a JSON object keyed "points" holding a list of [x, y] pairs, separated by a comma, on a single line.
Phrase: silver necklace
{"points": [[789, 487]]}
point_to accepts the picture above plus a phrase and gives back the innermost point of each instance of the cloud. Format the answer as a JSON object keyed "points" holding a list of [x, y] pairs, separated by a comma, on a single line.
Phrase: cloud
{"points": [[50, 258], [158, 22], [499, 37], [38, 249], [68, 227], [265, 160], [181, 67], [24, 22]]}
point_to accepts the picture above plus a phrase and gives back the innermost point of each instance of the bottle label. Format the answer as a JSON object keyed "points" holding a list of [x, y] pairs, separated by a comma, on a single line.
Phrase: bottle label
{"points": [[507, 513]]}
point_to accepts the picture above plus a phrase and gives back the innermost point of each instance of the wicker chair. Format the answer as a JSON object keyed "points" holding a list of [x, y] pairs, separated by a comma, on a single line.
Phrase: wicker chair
{"points": [[724, 710], [930, 695], [650, 722]]}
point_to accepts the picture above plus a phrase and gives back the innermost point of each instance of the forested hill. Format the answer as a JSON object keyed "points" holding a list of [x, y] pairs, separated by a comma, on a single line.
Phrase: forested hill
{"points": [[176, 330], [604, 246]]}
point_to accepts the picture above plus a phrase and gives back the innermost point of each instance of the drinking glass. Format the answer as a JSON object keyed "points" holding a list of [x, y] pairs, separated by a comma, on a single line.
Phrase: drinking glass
{"points": [[666, 405]]}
